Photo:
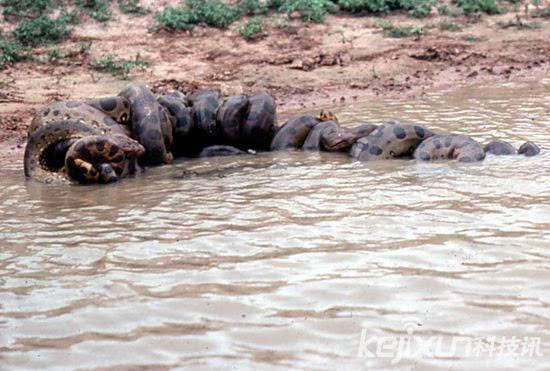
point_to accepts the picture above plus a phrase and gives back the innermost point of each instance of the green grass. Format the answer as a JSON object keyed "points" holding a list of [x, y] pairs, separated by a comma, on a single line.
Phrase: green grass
{"points": [[449, 11], [309, 10], [20, 9], [417, 8], [542, 13], [217, 13], [478, 6], [405, 31], [11, 52], [109, 64], [132, 7], [252, 29], [449, 26], [283, 24], [69, 18], [370, 6], [252, 7], [175, 19], [211, 12], [97, 9], [31, 9], [56, 54], [42, 31]]}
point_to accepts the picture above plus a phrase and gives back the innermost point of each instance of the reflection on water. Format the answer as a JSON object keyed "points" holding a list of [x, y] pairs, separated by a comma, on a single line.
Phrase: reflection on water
{"points": [[284, 258]]}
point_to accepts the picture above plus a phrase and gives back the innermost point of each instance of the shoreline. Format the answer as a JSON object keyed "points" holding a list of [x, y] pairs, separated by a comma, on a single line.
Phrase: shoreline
{"points": [[346, 59]]}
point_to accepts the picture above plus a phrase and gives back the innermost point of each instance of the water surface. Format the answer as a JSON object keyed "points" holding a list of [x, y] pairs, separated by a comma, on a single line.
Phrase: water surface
{"points": [[283, 259]]}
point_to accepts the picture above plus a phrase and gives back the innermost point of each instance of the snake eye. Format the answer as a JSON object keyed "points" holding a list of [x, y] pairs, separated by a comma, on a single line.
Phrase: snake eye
{"points": [[124, 118]]}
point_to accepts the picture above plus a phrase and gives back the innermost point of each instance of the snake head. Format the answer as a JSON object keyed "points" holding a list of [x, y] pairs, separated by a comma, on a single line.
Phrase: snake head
{"points": [[327, 116], [336, 139], [102, 159], [98, 173]]}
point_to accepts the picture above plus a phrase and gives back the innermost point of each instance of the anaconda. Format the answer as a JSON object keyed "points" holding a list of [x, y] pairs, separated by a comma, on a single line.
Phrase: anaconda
{"points": [[450, 146], [150, 123], [390, 141]]}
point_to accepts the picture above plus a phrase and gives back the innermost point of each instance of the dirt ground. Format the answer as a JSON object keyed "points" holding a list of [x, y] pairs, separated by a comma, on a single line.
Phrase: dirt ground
{"points": [[305, 66]]}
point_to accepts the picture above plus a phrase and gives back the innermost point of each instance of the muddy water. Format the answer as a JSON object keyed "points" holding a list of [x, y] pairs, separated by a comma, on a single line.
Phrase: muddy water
{"points": [[286, 260]]}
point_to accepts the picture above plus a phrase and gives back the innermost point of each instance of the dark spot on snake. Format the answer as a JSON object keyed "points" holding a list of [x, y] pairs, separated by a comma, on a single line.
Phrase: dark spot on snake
{"points": [[117, 159], [46, 112], [437, 143], [108, 121], [424, 156], [83, 151], [56, 112], [420, 132], [448, 141], [108, 104], [375, 150], [100, 146], [399, 132], [118, 171], [479, 156], [114, 149], [70, 162]]}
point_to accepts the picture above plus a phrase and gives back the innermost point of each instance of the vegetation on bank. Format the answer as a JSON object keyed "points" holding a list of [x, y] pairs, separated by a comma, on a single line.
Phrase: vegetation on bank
{"points": [[218, 13], [110, 63], [41, 23]]}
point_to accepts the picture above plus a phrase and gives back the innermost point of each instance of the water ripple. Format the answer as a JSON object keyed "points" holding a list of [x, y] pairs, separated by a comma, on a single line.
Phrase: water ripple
{"points": [[286, 257]]}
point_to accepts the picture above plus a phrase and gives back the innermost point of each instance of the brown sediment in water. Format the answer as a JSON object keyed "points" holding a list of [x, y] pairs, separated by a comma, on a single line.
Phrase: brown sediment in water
{"points": [[305, 66], [290, 259]]}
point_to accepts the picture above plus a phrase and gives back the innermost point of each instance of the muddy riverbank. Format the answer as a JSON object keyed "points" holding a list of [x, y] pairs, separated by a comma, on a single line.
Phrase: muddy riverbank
{"points": [[305, 66]]}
